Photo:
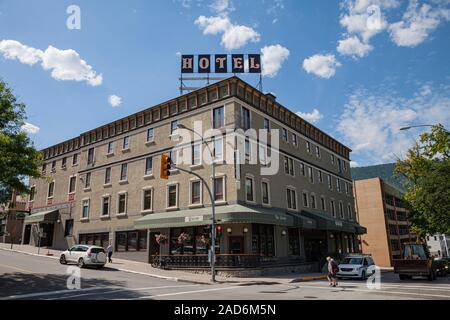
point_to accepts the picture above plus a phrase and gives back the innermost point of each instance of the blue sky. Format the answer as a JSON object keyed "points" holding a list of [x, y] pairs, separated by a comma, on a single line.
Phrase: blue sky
{"points": [[358, 69]]}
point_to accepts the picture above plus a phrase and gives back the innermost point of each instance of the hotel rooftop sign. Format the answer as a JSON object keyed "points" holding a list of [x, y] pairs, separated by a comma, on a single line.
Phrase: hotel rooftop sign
{"points": [[222, 63]]}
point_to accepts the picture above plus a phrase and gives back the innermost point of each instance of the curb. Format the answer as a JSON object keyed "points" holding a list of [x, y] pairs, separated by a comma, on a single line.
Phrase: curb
{"points": [[305, 279], [30, 254]]}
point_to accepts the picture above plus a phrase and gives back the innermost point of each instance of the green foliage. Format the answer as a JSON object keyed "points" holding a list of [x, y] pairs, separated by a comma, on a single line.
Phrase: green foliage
{"points": [[427, 169], [384, 171], [18, 157]]}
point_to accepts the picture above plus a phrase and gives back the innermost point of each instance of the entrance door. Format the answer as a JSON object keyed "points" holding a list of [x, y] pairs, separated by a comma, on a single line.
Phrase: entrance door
{"points": [[236, 245], [27, 234], [48, 232]]}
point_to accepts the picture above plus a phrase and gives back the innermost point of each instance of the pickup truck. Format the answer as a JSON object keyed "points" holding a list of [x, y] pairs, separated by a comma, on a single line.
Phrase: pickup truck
{"points": [[416, 262]]}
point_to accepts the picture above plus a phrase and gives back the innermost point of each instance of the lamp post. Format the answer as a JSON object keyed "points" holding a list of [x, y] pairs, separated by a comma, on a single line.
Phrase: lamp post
{"points": [[418, 126], [211, 195]]}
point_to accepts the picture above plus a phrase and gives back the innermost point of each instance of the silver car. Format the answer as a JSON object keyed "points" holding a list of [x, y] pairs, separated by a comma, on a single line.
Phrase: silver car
{"points": [[84, 255], [356, 266]]}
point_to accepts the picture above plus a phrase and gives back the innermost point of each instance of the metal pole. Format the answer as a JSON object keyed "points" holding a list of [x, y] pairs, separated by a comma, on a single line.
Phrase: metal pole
{"points": [[213, 229]]}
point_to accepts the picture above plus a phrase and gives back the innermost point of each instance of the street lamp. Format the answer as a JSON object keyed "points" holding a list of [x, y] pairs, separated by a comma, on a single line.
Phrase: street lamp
{"points": [[213, 202], [419, 126]]}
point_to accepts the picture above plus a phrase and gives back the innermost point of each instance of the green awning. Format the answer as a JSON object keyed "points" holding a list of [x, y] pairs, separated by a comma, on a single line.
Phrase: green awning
{"points": [[302, 221], [329, 223], [44, 216], [203, 216]]}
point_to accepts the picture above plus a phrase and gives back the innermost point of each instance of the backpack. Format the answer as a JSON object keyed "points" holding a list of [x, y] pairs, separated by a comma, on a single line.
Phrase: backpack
{"points": [[334, 267]]}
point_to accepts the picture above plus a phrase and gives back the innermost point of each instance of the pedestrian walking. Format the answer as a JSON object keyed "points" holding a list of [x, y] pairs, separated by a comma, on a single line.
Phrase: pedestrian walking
{"points": [[109, 250], [333, 269]]}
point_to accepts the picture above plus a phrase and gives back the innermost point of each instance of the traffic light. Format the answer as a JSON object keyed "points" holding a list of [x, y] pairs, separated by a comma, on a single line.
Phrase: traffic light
{"points": [[219, 231], [165, 166]]}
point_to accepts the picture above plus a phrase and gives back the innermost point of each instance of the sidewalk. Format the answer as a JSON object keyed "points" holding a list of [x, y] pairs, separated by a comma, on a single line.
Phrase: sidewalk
{"points": [[173, 275]]}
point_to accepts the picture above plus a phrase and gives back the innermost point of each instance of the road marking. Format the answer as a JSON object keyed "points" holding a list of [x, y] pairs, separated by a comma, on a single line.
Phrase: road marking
{"points": [[379, 291], [403, 286], [48, 293], [121, 290], [187, 292], [22, 270]]}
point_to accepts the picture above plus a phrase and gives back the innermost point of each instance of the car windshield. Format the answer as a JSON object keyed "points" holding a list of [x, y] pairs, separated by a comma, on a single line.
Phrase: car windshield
{"points": [[352, 261], [97, 250], [414, 252]]}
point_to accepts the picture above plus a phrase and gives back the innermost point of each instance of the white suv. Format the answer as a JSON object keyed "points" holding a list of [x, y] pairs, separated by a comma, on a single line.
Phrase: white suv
{"points": [[356, 266], [84, 255]]}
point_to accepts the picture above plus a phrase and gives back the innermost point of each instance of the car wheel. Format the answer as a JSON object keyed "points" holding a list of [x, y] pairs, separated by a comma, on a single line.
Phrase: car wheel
{"points": [[363, 275], [81, 263], [62, 259]]}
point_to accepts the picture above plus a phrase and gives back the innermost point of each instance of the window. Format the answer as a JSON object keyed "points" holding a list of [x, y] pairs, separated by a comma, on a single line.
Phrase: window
{"points": [[123, 172], [75, 159], [294, 242], [305, 199], [317, 152], [339, 165], [196, 192], [90, 158], [313, 202], [173, 158], [122, 203], [302, 169], [332, 158], [107, 175], [32, 193], [249, 194], [333, 208], [173, 126], [218, 148], [323, 204], [267, 124], [330, 184], [53, 165], [308, 147], [338, 184], [87, 182], [310, 174], [172, 191], [291, 199], [44, 167], [51, 189], [263, 155], [294, 139], [341, 210], [248, 148], [344, 165], [265, 192], [126, 143], [72, 184], [64, 162], [347, 188], [148, 166], [245, 118], [68, 229], [147, 200], [349, 212], [219, 189], [285, 135], [196, 154], [110, 147], [85, 209], [289, 166], [150, 135], [218, 121], [105, 205], [320, 175]]}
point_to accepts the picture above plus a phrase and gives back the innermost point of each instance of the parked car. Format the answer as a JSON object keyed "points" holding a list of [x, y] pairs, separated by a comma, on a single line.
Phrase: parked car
{"points": [[356, 266], [84, 255]]}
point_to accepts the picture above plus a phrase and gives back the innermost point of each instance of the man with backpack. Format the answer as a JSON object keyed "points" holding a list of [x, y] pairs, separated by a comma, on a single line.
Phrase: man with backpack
{"points": [[333, 269]]}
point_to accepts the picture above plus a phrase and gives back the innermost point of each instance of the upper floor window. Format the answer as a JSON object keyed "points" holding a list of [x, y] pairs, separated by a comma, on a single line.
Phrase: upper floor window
{"points": [[267, 124], [320, 175], [148, 166], [338, 185], [313, 202], [218, 148], [44, 167], [323, 203], [294, 139], [53, 165], [308, 146], [245, 118], [51, 189], [219, 187], [332, 159], [317, 151], [87, 182], [126, 143], [150, 135], [302, 169], [122, 203], [285, 134], [85, 209], [124, 172], [344, 165], [289, 166], [147, 203], [265, 192], [218, 118], [196, 154], [32, 193], [305, 199], [75, 159], [248, 149], [172, 196], [333, 208], [339, 165], [110, 147], [347, 188], [106, 205], [107, 175], [291, 198], [349, 211], [90, 158], [72, 184], [64, 162], [341, 210], [196, 192], [330, 184], [173, 126], [249, 190], [310, 174]]}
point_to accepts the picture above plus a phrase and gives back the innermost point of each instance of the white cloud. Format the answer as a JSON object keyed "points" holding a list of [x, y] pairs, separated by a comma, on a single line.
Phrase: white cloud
{"points": [[353, 47], [312, 117], [354, 164], [233, 36], [272, 59], [114, 100], [323, 66], [30, 128], [64, 64], [13, 50], [222, 6], [417, 23], [371, 121]]}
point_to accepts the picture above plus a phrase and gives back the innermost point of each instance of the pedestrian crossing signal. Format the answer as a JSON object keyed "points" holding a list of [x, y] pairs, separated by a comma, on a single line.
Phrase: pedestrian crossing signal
{"points": [[165, 166]]}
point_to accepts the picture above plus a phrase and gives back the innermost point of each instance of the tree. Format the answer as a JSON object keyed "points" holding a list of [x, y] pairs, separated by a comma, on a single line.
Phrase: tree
{"points": [[18, 157], [427, 170]]}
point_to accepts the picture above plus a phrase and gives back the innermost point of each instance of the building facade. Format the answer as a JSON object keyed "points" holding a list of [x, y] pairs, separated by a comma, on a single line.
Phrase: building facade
{"points": [[380, 208], [439, 245], [104, 186], [12, 215]]}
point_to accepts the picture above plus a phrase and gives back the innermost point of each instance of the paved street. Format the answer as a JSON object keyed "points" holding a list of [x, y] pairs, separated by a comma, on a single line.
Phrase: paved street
{"points": [[31, 277]]}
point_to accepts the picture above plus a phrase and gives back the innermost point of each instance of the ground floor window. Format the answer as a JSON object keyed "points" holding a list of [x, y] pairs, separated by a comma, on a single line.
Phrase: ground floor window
{"points": [[131, 241], [95, 239], [263, 242], [193, 240], [69, 228], [294, 242]]}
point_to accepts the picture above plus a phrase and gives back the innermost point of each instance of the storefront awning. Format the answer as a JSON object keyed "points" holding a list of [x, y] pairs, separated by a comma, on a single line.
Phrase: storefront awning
{"points": [[44, 216], [224, 214], [302, 221], [328, 223]]}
